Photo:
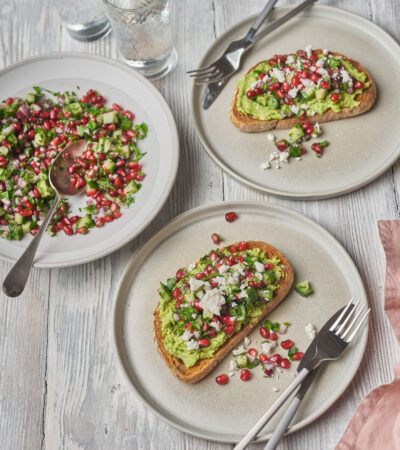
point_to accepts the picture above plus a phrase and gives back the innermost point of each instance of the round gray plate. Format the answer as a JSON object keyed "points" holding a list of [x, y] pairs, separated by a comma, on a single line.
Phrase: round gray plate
{"points": [[361, 148], [120, 84], [225, 413]]}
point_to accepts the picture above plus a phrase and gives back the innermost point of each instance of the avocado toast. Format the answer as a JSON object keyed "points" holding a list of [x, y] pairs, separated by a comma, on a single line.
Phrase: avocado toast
{"points": [[208, 308], [313, 85]]}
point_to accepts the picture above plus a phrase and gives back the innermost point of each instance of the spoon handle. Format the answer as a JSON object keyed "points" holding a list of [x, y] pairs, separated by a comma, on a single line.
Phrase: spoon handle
{"points": [[16, 279]]}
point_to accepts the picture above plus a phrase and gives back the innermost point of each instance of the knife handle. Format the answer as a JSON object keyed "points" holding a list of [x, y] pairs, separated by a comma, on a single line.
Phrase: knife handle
{"points": [[283, 424], [260, 19], [272, 410]]}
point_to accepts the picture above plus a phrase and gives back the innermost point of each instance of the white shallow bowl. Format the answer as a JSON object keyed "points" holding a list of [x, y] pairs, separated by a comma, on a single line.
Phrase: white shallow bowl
{"points": [[118, 84]]}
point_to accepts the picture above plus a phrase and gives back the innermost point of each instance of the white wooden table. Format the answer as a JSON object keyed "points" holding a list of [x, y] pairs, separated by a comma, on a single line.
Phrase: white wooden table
{"points": [[60, 386]]}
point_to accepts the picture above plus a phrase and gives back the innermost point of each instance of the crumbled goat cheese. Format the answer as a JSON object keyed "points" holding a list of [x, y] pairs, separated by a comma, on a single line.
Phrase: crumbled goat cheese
{"points": [[278, 74], [195, 284], [268, 346], [247, 340], [216, 325], [293, 92], [310, 330], [270, 137], [309, 51], [266, 165], [259, 266], [212, 301], [186, 335], [239, 350], [325, 51], [275, 389], [294, 108], [223, 269], [273, 156], [290, 59], [231, 374], [192, 345], [284, 157], [233, 365], [191, 267]]}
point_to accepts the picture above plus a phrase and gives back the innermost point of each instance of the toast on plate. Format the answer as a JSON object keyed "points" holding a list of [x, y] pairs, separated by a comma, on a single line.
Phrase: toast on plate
{"points": [[335, 87], [276, 270]]}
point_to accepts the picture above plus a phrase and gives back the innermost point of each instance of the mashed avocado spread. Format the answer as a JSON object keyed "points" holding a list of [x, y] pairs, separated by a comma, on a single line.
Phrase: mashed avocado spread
{"points": [[300, 85], [206, 303]]}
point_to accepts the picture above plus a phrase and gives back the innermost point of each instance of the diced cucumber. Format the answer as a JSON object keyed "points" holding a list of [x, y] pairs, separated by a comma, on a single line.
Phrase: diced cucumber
{"points": [[303, 288], [265, 294], [308, 93], [207, 314], [125, 150], [109, 165], [85, 221], [320, 94], [75, 109], [110, 117], [5, 173], [40, 136], [19, 219], [108, 146], [27, 226], [269, 277], [296, 133], [241, 360], [44, 189], [3, 149], [131, 187], [116, 133], [30, 98]]}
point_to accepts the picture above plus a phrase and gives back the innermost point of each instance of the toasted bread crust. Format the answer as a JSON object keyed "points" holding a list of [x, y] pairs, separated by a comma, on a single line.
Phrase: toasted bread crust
{"points": [[204, 366], [245, 122]]}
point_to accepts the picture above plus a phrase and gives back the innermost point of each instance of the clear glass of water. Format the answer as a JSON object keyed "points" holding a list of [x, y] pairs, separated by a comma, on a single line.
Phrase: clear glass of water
{"points": [[85, 20], [144, 34]]}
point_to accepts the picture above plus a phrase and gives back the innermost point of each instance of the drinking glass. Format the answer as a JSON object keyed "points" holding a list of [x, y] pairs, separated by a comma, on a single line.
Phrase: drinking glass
{"points": [[85, 20], [144, 34]]}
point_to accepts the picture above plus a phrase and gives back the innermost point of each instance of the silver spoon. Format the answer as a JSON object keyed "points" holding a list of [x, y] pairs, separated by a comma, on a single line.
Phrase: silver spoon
{"points": [[60, 181]]}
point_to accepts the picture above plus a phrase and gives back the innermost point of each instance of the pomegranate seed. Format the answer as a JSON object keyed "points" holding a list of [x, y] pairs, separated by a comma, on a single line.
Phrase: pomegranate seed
{"points": [[264, 332], [245, 375], [216, 238], [281, 146], [287, 344], [268, 266], [280, 94], [204, 342], [222, 379], [316, 148], [176, 292], [229, 329], [295, 81], [233, 249], [273, 336], [358, 85], [252, 352], [90, 92], [240, 259], [285, 86], [116, 107], [231, 216], [227, 320], [68, 230], [268, 372], [263, 357], [274, 86], [251, 93], [212, 333], [298, 356], [277, 358], [205, 327], [129, 115], [200, 275], [117, 214], [242, 246], [3, 161], [180, 274], [9, 101], [334, 97], [285, 363]]}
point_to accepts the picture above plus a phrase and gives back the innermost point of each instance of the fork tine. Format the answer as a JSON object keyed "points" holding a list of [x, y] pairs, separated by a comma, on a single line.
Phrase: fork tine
{"points": [[359, 325], [200, 69], [352, 323], [206, 76], [214, 79], [341, 315], [342, 325]]}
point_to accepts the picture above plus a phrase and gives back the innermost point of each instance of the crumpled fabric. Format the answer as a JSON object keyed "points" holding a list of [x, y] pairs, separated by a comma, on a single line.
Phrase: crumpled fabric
{"points": [[376, 422]]}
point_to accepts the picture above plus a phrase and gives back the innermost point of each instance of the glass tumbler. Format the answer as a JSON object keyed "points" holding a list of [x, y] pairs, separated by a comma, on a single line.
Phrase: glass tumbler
{"points": [[144, 34], [85, 20]]}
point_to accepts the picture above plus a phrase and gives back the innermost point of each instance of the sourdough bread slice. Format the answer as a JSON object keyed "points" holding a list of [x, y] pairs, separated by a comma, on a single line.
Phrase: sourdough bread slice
{"points": [[204, 366], [248, 124]]}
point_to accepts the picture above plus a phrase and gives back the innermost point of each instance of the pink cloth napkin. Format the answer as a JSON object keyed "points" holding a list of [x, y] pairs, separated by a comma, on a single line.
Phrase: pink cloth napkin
{"points": [[376, 422]]}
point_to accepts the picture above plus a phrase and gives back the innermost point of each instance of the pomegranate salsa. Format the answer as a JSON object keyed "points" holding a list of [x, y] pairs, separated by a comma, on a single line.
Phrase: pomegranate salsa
{"points": [[209, 301], [300, 85], [32, 133]]}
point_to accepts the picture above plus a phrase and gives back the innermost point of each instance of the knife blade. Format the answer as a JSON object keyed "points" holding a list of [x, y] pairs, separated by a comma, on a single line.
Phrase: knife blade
{"points": [[211, 92]]}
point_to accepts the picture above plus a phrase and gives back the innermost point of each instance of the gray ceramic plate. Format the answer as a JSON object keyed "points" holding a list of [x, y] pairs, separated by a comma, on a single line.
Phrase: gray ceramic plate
{"points": [[361, 148], [120, 84], [225, 413]]}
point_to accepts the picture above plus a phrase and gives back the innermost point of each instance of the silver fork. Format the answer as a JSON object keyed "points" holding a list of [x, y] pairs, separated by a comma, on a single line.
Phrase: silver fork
{"points": [[229, 62], [330, 347]]}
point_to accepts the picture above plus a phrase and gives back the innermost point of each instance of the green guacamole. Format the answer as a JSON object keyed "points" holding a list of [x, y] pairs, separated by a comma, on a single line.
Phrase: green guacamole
{"points": [[268, 106], [185, 326]]}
